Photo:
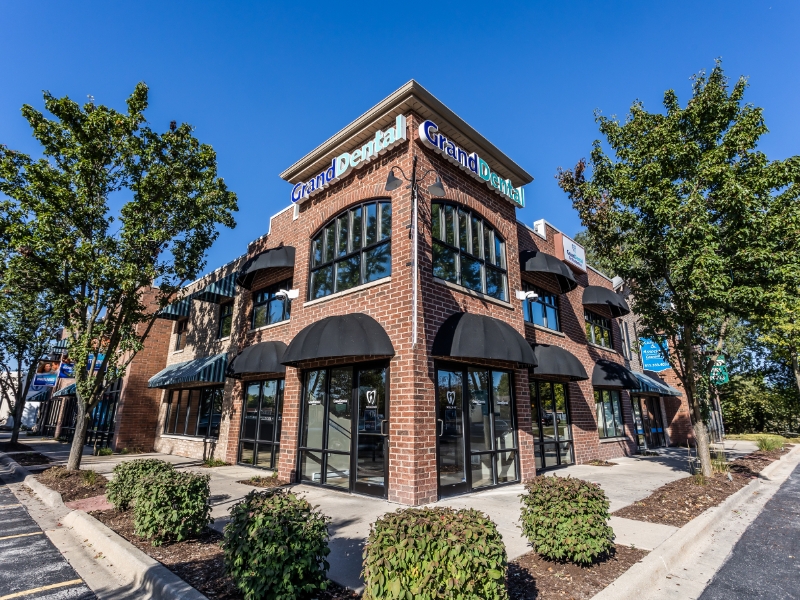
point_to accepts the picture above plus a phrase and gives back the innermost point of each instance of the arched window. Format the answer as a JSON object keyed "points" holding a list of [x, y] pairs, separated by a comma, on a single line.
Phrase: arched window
{"points": [[467, 251], [353, 249]]}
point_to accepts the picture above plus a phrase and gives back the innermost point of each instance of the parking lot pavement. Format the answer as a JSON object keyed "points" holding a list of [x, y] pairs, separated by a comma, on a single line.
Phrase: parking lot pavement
{"points": [[30, 565]]}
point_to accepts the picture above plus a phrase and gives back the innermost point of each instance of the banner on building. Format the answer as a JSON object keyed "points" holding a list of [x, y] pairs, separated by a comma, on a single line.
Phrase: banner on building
{"points": [[46, 373], [655, 354]]}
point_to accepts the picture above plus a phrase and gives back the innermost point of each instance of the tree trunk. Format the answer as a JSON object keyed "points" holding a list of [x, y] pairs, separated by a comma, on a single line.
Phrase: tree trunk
{"points": [[796, 369], [698, 423], [79, 439]]}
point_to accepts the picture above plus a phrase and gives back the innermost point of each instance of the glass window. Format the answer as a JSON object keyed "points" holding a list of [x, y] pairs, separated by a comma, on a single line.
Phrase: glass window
{"points": [[598, 329], [196, 412], [551, 426], [362, 252], [225, 319], [542, 311], [467, 251], [609, 413], [268, 308], [180, 333], [261, 423]]}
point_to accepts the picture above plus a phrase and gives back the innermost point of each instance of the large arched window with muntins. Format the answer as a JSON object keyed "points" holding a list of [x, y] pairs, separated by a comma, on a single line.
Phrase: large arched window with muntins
{"points": [[354, 248], [468, 251]]}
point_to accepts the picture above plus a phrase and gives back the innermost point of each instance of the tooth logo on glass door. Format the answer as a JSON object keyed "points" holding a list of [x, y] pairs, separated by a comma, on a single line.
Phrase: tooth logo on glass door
{"points": [[451, 398], [371, 396]]}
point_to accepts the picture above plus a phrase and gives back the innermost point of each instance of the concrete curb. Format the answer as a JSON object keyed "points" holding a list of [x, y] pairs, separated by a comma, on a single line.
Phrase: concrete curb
{"points": [[146, 572], [643, 577]]}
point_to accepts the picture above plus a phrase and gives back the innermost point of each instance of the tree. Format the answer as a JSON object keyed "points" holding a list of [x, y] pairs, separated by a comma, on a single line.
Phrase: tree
{"points": [[694, 218], [595, 259], [103, 266]]}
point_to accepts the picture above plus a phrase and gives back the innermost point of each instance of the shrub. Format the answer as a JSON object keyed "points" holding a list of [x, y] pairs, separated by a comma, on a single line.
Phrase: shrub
{"points": [[768, 444], [566, 518], [427, 553], [106, 451], [89, 477], [171, 506], [214, 462], [275, 546], [121, 490]]}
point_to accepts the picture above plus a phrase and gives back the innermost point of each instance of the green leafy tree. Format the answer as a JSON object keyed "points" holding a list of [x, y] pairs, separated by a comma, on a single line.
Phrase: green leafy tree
{"points": [[594, 258], [103, 265], [694, 218]]}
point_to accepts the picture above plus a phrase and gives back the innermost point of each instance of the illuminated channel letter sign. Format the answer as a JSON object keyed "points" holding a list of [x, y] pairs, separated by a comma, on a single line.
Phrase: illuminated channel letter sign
{"points": [[471, 163], [341, 165]]}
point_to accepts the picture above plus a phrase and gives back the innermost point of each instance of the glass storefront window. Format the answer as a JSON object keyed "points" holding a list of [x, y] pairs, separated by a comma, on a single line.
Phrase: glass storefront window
{"points": [[195, 412], [609, 413], [551, 425], [260, 431]]}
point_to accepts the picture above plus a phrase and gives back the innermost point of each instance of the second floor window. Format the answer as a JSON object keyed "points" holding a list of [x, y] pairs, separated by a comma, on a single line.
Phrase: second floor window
{"points": [[542, 311], [180, 333], [353, 249], [598, 329], [268, 307], [467, 251], [225, 319]]}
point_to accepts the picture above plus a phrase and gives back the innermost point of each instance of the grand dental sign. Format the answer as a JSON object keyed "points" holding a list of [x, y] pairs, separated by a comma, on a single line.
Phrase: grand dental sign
{"points": [[344, 163], [473, 164]]}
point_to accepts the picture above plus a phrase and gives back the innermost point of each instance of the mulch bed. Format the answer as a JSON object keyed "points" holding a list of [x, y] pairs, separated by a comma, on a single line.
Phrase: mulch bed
{"points": [[533, 577], [15, 447], [30, 459], [269, 483], [678, 502], [71, 484], [602, 463]]}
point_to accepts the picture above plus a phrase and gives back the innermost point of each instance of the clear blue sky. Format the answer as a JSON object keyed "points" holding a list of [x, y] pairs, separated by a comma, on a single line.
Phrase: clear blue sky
{"points": [[265, 82]]}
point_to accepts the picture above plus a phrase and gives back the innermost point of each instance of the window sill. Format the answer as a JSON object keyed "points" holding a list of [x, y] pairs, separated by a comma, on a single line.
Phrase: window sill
{"points": [[193, 438], [353, 290], [227, 337], [613, 439], [474, 294], [607, 349], [545, 329], [177, 351], [270, 326]]}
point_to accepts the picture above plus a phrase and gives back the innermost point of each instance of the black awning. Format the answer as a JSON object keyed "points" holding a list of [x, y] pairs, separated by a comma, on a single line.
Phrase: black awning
{"points": [[607, 373], [355, 334], [277, 258], [557, 362], [534, 261], [595, 295], [264, 357], [466, 335]]}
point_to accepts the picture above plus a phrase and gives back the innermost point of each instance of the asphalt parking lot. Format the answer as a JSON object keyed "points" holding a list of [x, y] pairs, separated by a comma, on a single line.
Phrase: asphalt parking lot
{"points": [[30, 565]]}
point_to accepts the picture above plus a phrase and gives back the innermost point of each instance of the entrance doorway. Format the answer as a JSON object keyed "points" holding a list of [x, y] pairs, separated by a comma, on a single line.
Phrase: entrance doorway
{"points": [[552, 434], [345, 429], [476, 429], [649, 419], [260, 432]]}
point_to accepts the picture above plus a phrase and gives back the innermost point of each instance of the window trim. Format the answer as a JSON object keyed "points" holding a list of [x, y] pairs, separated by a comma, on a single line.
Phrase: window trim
{"points": [[529, 287], [270, 290], [181, 330]]}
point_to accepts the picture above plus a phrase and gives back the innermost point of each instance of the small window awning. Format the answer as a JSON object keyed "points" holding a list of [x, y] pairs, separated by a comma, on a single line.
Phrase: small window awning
{"points": [[210, 369], [557, 362], [219, 291], [355, 334], [467, 335], [277, 258], [39, 396], [609, 374], [177, 310], [67, 391], [650, 385], [595, 295], [264, 357], [534, 261]]}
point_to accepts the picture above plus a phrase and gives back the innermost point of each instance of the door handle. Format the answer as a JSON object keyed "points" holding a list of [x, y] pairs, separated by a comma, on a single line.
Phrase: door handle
{"points": [[383, 422], [441, 427]]}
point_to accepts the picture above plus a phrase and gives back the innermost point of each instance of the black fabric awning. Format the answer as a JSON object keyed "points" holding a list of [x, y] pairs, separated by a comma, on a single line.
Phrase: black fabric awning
{"points": [[534, 261], [355, 334], [264, 357], [557, 362], [607, 373], [466, 335], [595, 295], [210, 369], [277, 258]]}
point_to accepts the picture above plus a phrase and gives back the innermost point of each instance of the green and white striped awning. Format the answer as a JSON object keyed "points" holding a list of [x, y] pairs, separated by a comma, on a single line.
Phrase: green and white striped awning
{"points": [[210, 369], [39, 396], [67, 391], [177, 310], [218, 291], [648, 385]]}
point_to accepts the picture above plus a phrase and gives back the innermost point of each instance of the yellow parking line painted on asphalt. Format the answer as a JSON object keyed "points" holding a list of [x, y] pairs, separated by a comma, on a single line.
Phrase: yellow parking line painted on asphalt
{"points": [[44, 588], [8, 537], [10, 505]]}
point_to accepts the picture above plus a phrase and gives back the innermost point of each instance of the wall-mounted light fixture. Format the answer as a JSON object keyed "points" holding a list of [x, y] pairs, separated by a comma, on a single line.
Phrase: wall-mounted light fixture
{"points": [[287, 294], [526, 295]]}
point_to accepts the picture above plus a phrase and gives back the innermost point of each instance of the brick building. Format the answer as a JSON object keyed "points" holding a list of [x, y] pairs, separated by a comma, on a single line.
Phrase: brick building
{"points": [[398, 332]]}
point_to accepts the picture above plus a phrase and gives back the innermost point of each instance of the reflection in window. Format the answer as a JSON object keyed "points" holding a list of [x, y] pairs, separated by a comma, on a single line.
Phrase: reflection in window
{"points": [[225, 319], [467, 251], [268, 308], [609, 413], [353, 249], [551, 424], [195, 412], [598, 329], [543, 310]]}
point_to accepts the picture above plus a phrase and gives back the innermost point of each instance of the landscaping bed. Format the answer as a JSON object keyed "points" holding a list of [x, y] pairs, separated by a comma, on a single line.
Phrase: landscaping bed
{"points": [[15, 447], [269, 483], [533, 577], [73, 485], [678, 502], [30, 459]]}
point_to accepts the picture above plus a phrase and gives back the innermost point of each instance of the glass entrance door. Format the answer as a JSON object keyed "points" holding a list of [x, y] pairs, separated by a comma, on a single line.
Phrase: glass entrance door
{"points": [[649, 420], [450, 422], [260, 433], [552, 434], [371, 447]]}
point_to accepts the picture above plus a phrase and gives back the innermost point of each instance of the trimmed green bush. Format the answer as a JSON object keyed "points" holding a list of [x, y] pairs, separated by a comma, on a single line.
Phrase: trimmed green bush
{"points": [[171, 506], [566, 519], [427, 553], [121, 490], [275, 546]]}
